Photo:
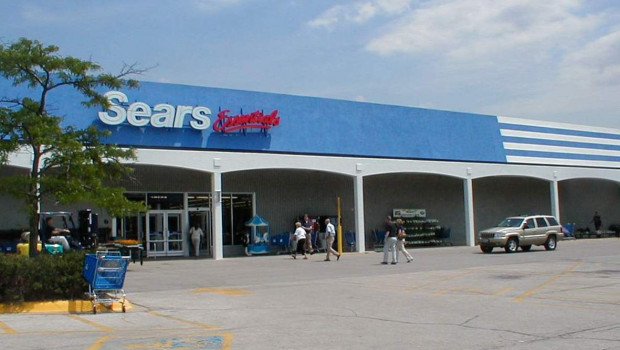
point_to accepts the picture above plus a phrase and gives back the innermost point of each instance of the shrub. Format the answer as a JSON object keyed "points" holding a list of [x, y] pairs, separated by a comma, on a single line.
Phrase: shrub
{"points": [[45, 277]]}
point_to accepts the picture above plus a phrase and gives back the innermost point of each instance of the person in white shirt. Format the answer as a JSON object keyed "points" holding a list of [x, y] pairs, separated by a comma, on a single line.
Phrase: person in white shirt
{"points": [[400, 243], [330, 235], [300, 236], [196, 234]]}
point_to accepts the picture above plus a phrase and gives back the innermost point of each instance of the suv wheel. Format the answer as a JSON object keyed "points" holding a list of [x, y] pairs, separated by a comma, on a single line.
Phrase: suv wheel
{"points": [[551, 243], [511, 245], [526, 248], [486, 249]]}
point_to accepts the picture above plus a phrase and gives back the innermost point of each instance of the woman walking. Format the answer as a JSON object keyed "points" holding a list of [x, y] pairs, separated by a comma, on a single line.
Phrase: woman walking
{"points": [[400, 244], [195, 233], [300, 235]]}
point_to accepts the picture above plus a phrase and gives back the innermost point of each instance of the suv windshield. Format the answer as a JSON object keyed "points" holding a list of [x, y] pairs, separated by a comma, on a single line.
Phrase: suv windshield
{"points": [[511, 222]]}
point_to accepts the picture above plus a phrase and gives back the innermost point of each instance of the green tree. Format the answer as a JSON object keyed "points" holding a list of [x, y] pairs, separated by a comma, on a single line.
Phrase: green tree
{"points": [[68, 164]]}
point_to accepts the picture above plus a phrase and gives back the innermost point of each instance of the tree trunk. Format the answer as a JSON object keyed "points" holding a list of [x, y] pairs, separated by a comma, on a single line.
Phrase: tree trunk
{"points": [[33, 206]]}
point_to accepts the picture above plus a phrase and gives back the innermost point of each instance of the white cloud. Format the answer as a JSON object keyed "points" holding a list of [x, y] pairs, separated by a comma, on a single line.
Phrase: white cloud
{"points": [[584, 90], [597, 63], [465, 29], [329, 18], [359, 12], [544, 59], [214, 5]]}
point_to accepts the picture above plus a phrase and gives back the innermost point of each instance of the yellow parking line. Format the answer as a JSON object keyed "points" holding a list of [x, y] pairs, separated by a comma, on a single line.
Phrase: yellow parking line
{"points": [[227, 343], [97, 345], [476, 291], [503, 291], [439, 281], [6, 329], [229, 291], [91, 323], [199, 324], [444, 291], [471, 291], [531, 291], [163, 341]]}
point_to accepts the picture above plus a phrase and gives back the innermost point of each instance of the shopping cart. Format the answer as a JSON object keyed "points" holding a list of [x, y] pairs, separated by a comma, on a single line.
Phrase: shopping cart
{"points": [[105, 273]]}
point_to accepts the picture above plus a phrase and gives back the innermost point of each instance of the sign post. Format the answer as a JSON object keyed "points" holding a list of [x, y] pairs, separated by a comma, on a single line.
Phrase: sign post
{"points": [[339, 229]]}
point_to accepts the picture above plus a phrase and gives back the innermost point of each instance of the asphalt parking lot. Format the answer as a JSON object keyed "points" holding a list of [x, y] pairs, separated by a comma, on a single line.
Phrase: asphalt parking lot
{"points": [[447, 298]]}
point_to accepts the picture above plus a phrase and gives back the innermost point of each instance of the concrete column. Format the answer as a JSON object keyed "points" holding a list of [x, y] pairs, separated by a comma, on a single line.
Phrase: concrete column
{"points": [[186, 226], [216, 216], [470, 234], [555, 199], [358, 197]]}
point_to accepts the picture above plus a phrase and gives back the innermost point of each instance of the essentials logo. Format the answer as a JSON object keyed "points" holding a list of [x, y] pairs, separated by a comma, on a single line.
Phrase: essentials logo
{"points": [[255, 120]]}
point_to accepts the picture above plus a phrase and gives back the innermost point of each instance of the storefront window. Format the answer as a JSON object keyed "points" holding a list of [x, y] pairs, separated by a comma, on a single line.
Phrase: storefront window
{"points": [[242, 212], [132, 227], [237, 209]]}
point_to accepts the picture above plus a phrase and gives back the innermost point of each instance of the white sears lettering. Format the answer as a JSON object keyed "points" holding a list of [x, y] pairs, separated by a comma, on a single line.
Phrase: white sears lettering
{"points": [[114, 98], [160, 116], [164, 118], [180, 115], [201, 118], [136, 111]]}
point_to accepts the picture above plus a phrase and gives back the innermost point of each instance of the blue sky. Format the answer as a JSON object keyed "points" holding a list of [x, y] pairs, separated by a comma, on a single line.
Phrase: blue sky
{"points": [[556, 60]]}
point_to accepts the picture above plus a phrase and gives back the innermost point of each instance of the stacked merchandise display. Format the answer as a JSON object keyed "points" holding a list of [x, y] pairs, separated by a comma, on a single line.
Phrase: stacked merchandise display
{"points": [[420, 229]]}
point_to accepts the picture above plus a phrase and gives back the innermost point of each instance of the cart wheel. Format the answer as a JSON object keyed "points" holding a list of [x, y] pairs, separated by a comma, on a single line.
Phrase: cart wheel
{"points": [[123, 308], [95, 310]]}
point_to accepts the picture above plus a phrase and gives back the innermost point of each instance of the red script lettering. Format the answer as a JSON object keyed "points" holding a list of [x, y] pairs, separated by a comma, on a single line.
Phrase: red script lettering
{"points": [[254, 120]]}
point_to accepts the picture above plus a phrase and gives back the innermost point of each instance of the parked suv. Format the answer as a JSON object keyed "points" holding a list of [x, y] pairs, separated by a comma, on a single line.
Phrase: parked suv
{"points": [[521, 231]]}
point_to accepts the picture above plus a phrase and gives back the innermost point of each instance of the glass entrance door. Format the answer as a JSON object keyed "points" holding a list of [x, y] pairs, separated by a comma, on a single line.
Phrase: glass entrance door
{"points": [[202, 216], [165, 233]]}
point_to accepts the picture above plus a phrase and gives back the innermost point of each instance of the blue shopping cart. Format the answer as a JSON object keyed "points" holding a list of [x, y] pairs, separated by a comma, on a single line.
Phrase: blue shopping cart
{"points": [[105, 273]]}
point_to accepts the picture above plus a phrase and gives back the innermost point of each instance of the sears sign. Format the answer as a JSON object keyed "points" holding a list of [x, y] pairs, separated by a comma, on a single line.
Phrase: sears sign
{"points": [[164, 115]]}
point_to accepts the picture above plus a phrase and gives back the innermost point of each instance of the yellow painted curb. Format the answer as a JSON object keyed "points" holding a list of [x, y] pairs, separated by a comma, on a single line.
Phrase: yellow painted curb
{"points": [[61, 306]]}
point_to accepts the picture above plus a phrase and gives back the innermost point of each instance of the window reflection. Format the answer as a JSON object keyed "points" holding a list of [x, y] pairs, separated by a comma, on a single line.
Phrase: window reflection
{"points": [[242, 212], [237, 209]]}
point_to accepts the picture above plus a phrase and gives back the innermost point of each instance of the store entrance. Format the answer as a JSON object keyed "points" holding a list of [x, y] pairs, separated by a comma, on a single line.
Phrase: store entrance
{"points": [[202, 216], [165, 233]]}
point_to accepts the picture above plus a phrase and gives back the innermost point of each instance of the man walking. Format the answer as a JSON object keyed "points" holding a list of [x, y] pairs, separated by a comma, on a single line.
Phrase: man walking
{"points": [[307, 225], [330, 235], [390, 241]]}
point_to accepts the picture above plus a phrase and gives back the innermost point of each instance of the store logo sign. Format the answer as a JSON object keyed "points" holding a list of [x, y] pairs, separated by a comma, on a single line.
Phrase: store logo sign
{"points": [[162, 115], [256, 120]]}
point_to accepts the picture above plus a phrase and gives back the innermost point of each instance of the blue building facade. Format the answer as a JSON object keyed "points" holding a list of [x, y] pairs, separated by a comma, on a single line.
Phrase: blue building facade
{"points": [[265, 147]]}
